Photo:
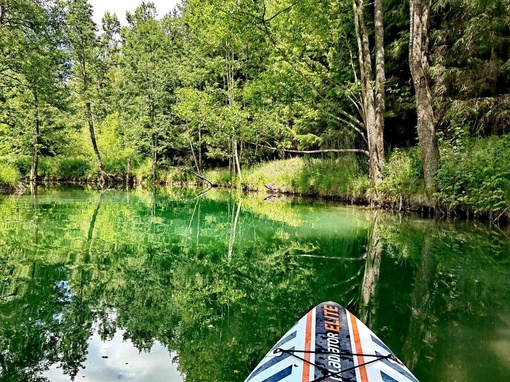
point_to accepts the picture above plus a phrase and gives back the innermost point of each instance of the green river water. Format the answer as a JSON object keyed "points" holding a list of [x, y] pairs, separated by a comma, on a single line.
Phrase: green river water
{"points": [[170, 285]]}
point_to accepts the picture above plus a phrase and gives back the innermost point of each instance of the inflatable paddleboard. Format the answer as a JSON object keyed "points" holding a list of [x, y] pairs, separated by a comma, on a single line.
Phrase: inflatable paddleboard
{"points": [[330, 344]]}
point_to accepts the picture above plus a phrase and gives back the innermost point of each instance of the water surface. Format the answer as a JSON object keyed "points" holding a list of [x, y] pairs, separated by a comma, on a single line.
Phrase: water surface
{"points": [[170, 285]]}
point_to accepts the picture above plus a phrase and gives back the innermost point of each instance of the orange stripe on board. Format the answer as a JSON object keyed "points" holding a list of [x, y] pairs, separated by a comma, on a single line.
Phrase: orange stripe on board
{"points": [[357, 342], [308, 345]]}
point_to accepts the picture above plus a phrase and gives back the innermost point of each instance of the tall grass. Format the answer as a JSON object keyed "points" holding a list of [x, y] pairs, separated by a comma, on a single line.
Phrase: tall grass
{"points": [[9, 173], [341, 177], [402, 184]]}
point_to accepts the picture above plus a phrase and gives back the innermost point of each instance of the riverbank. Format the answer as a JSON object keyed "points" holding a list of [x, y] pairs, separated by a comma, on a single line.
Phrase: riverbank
{"points": [[473, 181], [340, 180]]}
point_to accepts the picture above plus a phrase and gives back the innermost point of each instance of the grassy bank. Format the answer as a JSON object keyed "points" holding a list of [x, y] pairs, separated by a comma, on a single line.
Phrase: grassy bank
{"points": [[473, 179], [340, 178]]}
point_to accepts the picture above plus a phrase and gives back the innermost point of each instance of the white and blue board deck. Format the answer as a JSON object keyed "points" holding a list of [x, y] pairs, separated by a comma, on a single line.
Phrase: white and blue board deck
{"points": [[330, 344]]}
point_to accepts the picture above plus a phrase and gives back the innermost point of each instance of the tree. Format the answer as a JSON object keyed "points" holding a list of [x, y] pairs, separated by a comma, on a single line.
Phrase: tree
{"points": [[470, 67], [373, 99], [419, 64], [222, 50], [84, 52], [33, 87], [147, 61]]}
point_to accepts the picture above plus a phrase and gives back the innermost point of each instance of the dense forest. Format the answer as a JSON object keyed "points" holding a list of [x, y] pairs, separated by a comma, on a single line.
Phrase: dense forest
{"points": [[387, 102]]}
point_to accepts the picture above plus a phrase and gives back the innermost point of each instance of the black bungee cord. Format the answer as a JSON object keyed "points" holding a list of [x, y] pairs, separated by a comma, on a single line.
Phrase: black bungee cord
{"points": [[326, 371]]}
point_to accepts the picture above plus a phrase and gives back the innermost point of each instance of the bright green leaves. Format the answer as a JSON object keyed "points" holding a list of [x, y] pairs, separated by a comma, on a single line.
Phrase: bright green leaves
{"points": [[148, 62], [31, 89]]}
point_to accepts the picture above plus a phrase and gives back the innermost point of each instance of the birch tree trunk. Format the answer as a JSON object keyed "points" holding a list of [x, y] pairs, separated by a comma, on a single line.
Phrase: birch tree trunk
{"points": [[372, 95], [419, 65], [36, 141], [229, 57]]}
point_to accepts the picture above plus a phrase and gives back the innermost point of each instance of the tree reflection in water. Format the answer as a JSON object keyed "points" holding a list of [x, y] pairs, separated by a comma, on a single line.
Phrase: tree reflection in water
{"points": [[216, 280]]}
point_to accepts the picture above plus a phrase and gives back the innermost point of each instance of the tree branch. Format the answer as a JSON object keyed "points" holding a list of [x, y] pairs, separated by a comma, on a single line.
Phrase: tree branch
{"points": [[211, 184], [281, 11], [265, 30], [359, 151]]}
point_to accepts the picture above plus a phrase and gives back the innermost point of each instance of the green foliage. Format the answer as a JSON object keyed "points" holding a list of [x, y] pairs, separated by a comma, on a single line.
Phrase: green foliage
{"points": [[471, 67], [477, 176], [230, 83], [9, 174], [177, 176], [114, 146], [403, 176], [23, 163], [341, 177], [73, 168], [65, 168], [221, 176], [143, 171], [32, 90]]}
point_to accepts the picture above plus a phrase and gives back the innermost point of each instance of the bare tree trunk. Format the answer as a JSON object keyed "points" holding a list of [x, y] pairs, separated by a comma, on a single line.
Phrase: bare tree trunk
{"points": [[90, 121], [153, 155], [129, 178], [35, 149], [380, 82], [194, 156], [419, 65], [199, 148], [373, 98], [154, 143], [231, 100], [236, 159]]}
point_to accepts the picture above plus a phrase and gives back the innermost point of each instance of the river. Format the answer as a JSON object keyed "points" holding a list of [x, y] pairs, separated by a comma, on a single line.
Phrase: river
{"points": [[171, 285]]}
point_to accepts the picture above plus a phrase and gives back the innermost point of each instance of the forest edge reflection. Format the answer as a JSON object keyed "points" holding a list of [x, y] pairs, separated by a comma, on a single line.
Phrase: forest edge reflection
{"points": [[217, 275]]}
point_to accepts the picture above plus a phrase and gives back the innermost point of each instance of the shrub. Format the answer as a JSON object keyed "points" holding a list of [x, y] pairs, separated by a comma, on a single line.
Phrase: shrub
{"points": [[143, 171], [23, 164], [64, 168], [220, 176], [9, 174], [476, 178], [174, 175], [402, 176], [72, 168]]}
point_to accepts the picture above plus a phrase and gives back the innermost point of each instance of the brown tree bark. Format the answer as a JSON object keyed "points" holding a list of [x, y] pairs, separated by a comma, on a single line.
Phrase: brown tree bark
{"points": [[380, 82], [373, 96], [419, 65], [92, 133]]}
